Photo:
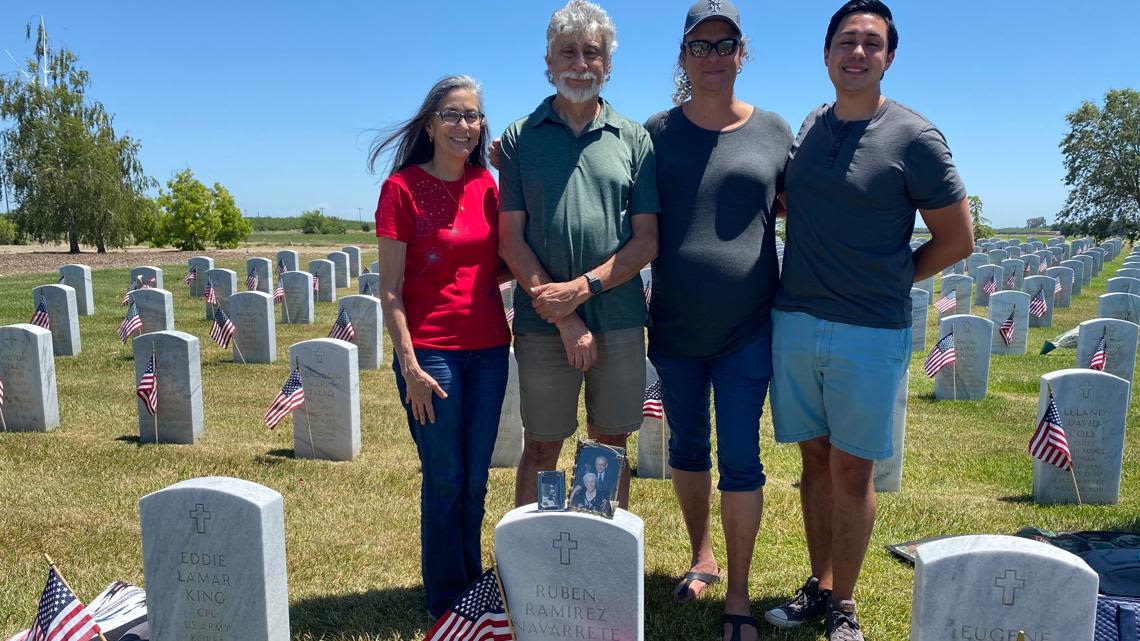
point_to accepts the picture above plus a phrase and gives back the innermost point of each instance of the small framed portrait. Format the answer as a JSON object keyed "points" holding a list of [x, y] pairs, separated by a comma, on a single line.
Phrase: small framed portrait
{"points": [[597, 473], [551, 491]]}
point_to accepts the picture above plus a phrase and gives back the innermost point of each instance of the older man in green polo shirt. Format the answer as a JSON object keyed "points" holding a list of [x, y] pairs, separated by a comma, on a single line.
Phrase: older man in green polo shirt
{"points": [[578, 221]]}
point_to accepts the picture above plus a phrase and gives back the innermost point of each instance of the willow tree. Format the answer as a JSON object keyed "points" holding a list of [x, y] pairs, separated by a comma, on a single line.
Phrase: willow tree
{"points": [[70, 176]]}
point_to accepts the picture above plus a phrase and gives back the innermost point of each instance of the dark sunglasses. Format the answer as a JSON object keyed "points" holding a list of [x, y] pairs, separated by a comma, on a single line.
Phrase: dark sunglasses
{"points": [[701, 48]]}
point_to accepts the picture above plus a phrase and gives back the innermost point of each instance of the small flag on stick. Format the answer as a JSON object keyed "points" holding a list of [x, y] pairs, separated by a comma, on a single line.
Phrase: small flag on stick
{"points": [[1100, 356], [292, 396], [211, 296], [279, 293], [148, 388], [41, 316], [222, 330], [1012, 280], [1037, 306], [947, 302], [1049, 444], [342, 328], [652, 407], [476, 615], [1057, 289], [316, 283], [1006, 330], [281, 269], [991, 285], [191, 275], [131, 323], [251, 280], [941, 355], [61, 615]]}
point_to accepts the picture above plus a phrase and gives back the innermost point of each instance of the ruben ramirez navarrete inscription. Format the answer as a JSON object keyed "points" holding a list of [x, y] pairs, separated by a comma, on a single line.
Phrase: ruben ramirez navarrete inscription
{"points": [[572, 575], [214, 562]]}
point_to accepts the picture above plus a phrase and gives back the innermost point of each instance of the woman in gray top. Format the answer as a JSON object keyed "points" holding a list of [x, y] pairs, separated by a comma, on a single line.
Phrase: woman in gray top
{"points": [[720, 166]]}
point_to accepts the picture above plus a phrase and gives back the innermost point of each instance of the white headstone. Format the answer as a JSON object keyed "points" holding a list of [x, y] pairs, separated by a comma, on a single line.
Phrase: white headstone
{"points": [[353, 253], [991, 587], [570, 575], [1128, 272], [963, 292], [214, 562], [889, 472], [152, 276], [178, 380], [325, 273], [27, 368], [1090, 265], [156, 309], [919, 301], [1093, 406], [1046, 287], [1122, 306], [63, 317], [289, 258], [927, 285], [997, 256], [368, 323], [1078, 268], [331, 376], [298, 304], [509, 441], [340, 261], [968, 377], [263, 267], [983, 275], [253, 315], [78, 277], [974, 261], [1017, 268], [1122, 285], [1065, 276], [1002, 304], [1120, 345], [370, 282], [200, 265], [653, 439], [225, 285]]}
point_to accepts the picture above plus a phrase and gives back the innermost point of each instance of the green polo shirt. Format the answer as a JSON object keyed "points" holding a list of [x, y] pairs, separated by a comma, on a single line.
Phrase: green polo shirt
{"points": [[579, 193]]}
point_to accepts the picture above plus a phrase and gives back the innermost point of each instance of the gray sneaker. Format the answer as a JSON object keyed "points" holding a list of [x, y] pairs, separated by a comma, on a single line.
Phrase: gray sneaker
{"points": [[809, 604], [841, 623]]}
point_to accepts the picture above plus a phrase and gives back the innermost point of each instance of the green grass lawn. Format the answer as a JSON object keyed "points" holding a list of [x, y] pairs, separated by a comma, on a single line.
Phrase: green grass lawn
{"points": [[352, 528]]}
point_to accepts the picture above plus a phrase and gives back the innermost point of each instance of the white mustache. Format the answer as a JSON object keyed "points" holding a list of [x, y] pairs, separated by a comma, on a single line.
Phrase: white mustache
{"points": [[574, 75]]}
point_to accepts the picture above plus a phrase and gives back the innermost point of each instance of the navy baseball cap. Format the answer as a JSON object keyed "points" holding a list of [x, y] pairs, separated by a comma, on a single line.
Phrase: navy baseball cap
{"points": [[703, 10]]}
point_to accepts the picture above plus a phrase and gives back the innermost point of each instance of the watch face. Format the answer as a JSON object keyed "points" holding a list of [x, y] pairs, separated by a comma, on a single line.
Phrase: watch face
{"points": [[595, 284]]}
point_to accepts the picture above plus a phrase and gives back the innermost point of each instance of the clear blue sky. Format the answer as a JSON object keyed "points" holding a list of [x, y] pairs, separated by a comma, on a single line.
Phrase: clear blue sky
{"points": [[279, 100]]}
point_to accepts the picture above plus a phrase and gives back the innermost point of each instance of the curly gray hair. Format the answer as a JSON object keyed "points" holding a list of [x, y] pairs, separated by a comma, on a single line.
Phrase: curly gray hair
{"points": [[582, 18], [683, 87]]}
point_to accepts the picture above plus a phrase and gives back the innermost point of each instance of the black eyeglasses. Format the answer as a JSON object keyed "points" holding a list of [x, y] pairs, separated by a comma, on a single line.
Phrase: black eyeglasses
{"points": [[701, 48], [451, 116]]}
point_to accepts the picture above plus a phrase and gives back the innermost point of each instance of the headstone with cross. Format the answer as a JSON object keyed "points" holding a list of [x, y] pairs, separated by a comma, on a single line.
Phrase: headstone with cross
{"points": [[328, 426], [1092, 406], [991, 587], [27, 370], [967, 378], [509, 440], [214, 561], [1120, 341], [252, 315], [572, 575], [178, 381]]}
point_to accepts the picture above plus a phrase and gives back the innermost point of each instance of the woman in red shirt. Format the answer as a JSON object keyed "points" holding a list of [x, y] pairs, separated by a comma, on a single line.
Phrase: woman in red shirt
{"points": [[437, 223]]}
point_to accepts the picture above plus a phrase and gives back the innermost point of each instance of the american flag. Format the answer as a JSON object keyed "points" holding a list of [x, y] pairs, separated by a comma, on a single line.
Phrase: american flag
{"points": [[947, 302], [651, 407], [281, 267], [648, 294], [61, 616], [127, 295], [1037, 306], [505, 286], [211, 297], [153, 282], [1043, 265], [1012, 280], [1049, 444], [1, 393], [131, 323], [292, 396], [223, 330], [342, 328], [191, 275], [477, 615], [279, 293], [1006, 330], [41, 316], [1099, 356], [509, 312], [941, 355], [251, 280], [148, 388], [1025, 272], [1057, 289], [316, 283], [991, 285]]}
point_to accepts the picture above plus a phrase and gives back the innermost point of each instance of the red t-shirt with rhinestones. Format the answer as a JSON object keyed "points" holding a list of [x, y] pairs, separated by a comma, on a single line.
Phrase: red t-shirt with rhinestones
{"points": [[451, 291]]}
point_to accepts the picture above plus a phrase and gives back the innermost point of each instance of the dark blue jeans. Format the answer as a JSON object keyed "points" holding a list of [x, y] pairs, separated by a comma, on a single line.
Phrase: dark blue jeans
{"points": [[455, 453]]}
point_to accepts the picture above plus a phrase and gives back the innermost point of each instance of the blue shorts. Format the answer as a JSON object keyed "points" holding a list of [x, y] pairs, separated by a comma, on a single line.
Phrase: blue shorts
{"points": [[739, 383], [836, 380]]}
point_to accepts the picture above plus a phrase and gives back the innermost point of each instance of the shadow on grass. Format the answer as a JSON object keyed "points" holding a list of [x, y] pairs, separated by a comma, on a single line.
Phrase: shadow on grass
{"points": [[386, 613], [1018, 498], [133, 439], [274, 456]]}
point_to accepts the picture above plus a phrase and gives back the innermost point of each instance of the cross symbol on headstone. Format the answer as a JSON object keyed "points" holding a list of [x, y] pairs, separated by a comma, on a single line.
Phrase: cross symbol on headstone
{"points": [[1009, 584], [1085, 389], [200, 516], [564, 544], [319, 355]]}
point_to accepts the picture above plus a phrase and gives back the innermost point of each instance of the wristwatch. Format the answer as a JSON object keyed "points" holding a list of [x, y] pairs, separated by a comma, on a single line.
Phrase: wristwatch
{"points": [[594, 283]]}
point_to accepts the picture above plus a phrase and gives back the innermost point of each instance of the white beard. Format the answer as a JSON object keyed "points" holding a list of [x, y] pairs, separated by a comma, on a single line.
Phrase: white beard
{"points": [[578, 95]]}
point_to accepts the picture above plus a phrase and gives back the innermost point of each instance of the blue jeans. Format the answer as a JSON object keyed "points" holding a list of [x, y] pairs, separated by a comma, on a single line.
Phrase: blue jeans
{"points": [[738, 383], [455, 453]]}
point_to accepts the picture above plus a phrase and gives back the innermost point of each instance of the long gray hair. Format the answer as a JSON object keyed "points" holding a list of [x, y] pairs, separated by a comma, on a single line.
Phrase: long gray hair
{"points": [[410, 139]]}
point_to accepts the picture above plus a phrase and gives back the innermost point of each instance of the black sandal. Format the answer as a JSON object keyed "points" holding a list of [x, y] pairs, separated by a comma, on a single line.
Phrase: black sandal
{"points": [[681, 592], [737, 620]]}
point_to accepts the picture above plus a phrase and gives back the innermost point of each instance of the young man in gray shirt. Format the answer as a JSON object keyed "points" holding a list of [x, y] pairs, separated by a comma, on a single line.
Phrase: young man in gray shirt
{"points": [[859, 169]]}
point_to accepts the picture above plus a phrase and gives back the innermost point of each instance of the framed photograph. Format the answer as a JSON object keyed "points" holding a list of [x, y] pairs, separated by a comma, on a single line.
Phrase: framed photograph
{"points": [[597, 472], [551, 491]]}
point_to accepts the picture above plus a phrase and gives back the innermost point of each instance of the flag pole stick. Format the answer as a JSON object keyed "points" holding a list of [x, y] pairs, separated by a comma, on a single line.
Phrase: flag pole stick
{"points": [[53, 566], [153, 356], [503, 597], [238, 349], [305, 406], [1072, 470], [2, 421], [954, 377], [664, 456], [285, 303]]}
